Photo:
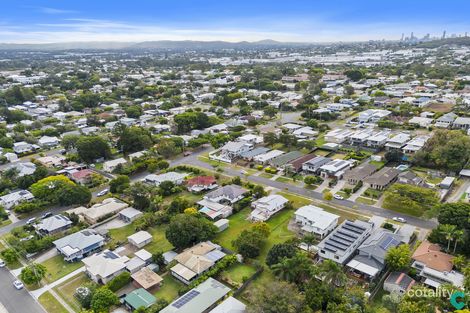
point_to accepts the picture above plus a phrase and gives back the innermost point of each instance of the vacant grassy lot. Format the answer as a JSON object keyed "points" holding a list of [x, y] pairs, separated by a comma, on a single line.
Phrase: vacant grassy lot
{"points": [[159, 243], [169, 288], [51, 304], [57, 268], [238, 272]]}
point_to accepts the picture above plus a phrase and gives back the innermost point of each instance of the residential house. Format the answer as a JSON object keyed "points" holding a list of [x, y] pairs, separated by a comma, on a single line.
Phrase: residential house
{"points": [[378, 139], [99, 211], [415, 144], [370, 259], [446, 120], [283, 159], [23, 147], [195, 261], [230, 305], [80, 244], [199, 299], [372, 115], [110, 166], [295, 165], [397, 142], [14, 198], [266, 207], [383, 178], [313, 165], [140, 239], [359, 173], [230, 151], [410, 178], [48, 141], [104, 266], [174, 177], [315, 220], [341, 244], [250, 139], [335, 168], [23, 168], [266, 157], [215, 210], [129, 214], [435, 267], [82, 177], [305, 132], [53, 225], [146, 278], [338, 135], [55, 160], [249, 155], [201, 183], [460, 123], [226, 194], [420, 121], [141, 259], [398, 283], [139, 298]]}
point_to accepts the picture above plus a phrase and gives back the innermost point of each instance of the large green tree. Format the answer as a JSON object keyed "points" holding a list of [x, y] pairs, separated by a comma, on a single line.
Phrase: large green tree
{"points": [[33, 273], [103, 299], [185, 230], [90, 148], [133, 139], [398, 258]]}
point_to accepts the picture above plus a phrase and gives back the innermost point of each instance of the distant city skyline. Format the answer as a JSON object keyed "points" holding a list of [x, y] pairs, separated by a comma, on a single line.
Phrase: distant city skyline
{"points": [[44, 21]]}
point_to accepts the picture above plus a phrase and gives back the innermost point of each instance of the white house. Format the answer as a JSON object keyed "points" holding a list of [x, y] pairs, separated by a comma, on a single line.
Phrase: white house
{"points": [[104, 266], [14, 198], [313, 219], [174, 177], [47, 141], [140, 239], [111, 165], [266, 207]]}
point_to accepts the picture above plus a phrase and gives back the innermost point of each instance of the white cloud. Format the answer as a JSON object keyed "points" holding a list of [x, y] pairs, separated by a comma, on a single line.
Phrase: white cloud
{"points": [[48, 10]]}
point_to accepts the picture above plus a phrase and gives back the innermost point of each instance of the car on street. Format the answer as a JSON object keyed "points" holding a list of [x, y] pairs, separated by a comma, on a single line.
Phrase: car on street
{"points": [[31, 221], [399, 219], [46, 215], [2, 263], [338, 197], [18, 284], [102, 192]]}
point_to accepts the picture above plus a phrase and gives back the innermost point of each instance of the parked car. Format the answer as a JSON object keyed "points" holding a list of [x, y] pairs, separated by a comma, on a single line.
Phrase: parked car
{"points": [[338, 197], [27, 238], [18, 284], [399, 219], [31, 221], [2, 263], [46, 215], [102, 192]]}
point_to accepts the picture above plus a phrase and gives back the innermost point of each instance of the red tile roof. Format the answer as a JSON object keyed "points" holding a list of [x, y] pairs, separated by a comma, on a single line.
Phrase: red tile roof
{"points": [[82, 174], [201, 181]]}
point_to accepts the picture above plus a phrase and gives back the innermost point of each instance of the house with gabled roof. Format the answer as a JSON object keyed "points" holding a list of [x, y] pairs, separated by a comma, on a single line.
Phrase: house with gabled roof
{"points": [[80, 244], [383, 178], [53, 225], [266, 207], [226, 194]]}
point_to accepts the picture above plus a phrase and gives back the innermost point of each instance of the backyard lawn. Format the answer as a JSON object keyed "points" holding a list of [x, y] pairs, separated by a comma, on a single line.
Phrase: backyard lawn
{"points": [[51, 304], [66, 290], [169, 288], [238, 273], [238, 223], [159, 242], [57, 268]]}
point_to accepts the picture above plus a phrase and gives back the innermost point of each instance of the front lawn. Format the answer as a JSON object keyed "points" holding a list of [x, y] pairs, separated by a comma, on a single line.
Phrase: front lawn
{"points": [[169, 288], [50, 304], [58, 268], [365, 201], [297, 201], [266, 175]]}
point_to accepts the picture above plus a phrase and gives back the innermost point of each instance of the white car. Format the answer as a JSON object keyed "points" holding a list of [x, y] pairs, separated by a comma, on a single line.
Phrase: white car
{"points": [[399, 219], [31, 221], [18, 284], [2, 263], [338, 197], [102, 192]]}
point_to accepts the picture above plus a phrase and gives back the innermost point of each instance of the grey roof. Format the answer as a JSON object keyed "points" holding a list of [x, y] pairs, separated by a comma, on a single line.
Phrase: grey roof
{"points": [[344, 236], [376, 246], [285, 158], [383, 177], [54, 222], [318, 161], [256, 151], [198, 299], [228, 191], [79, 240], [360, 172]]}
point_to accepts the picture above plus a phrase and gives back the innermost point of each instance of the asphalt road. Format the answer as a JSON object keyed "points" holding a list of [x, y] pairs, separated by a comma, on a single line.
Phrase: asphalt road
{"points": [[16, 301]]}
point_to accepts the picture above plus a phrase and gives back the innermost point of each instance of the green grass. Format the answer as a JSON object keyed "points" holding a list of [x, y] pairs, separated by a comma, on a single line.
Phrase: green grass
{"points": [[266, 175], [50, 304], [169, 288], [283, 179], [365, 201], [279, 232], [297, 201], [320, 141], [211, 162], [237, 273], [343, 194], [66, 290], [58, 268], [238, 223], [159, 243], [378, 164], [372, 193], [119, 235], [5, 223]]}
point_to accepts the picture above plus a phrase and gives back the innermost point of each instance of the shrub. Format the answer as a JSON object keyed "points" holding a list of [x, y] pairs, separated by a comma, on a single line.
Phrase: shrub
{"points": [[119, 281]]}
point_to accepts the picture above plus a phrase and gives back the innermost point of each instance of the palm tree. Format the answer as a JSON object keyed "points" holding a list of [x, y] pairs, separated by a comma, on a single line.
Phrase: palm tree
{"points": [[458, 237], [448, 231], [309, 240], [332, 273], [459, 261], [296, 269], [284, 269]]}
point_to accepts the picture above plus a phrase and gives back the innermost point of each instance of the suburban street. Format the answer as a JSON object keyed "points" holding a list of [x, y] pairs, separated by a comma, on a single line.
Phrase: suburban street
{"points": [[16, 301]]}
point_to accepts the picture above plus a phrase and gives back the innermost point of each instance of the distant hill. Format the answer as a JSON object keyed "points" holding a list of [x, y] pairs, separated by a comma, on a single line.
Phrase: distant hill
{"points": [[161, 44]]}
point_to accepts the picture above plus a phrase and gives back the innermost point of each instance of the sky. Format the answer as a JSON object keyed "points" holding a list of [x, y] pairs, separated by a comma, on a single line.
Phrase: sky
{"points": [[45, 21]]}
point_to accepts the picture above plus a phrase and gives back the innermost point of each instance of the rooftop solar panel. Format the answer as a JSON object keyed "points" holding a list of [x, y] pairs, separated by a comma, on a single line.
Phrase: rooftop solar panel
{"points": [[185, 298]]}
